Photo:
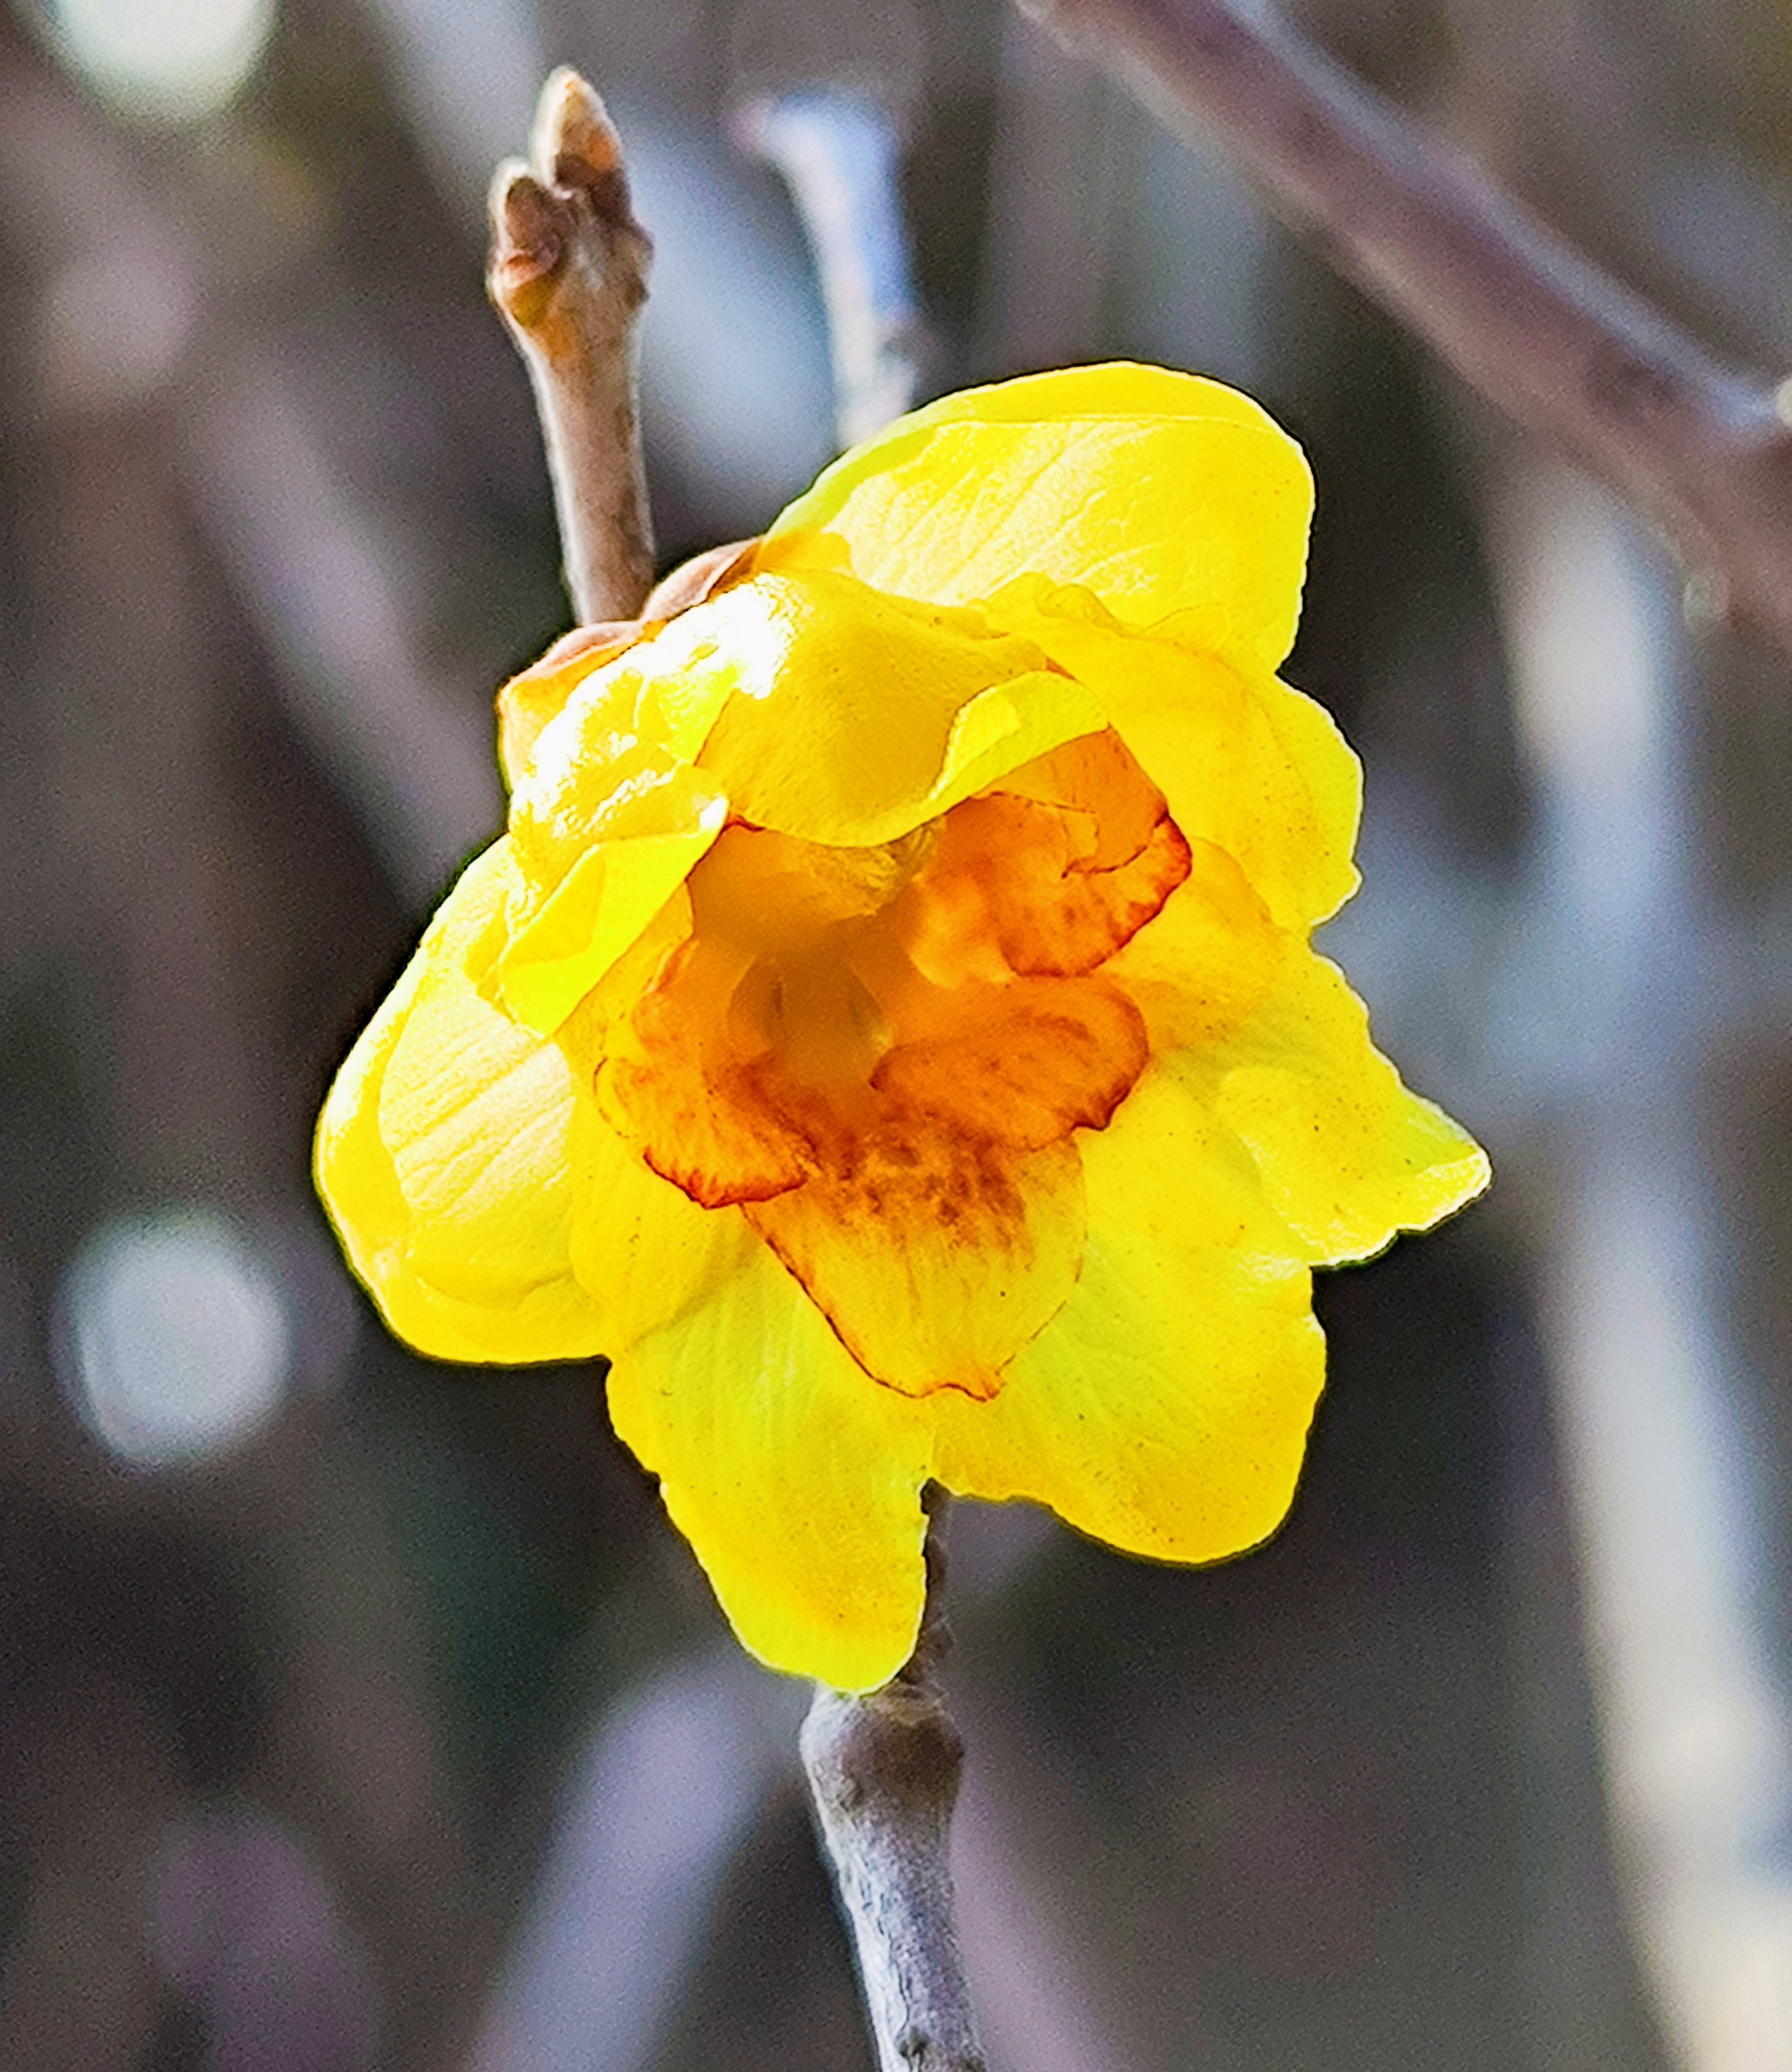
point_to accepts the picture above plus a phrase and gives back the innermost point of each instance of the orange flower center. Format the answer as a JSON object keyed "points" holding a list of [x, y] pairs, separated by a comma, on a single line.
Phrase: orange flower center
{"points": [[882, 1047]]}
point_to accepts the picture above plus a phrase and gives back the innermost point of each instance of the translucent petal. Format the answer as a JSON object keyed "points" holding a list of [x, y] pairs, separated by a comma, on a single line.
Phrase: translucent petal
{"points": [[1165, 1408], [1246, 762], [1349, 1156], [1202, 964], [1157, 514], [855, 716], [937, 1256], [795, 1477], [599, 911], [441, 1154], [541, 692]]}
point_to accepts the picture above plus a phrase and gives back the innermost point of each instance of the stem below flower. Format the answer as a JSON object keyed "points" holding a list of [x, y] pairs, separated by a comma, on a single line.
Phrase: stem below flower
{"points": [[568, 273], [884, 1772]]}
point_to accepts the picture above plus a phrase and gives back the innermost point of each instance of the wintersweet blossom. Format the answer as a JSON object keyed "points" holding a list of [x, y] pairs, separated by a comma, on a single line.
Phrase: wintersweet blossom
{"points": [[887, 1029]]}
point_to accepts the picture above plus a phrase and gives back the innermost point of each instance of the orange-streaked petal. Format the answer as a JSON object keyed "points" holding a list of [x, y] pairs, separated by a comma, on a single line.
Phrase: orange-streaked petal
{"points": [[1165, 1408], [1349, 1156], [1244, 761], [935, 1256], [1019, 1065], [1204, 961], [796, 1478]]}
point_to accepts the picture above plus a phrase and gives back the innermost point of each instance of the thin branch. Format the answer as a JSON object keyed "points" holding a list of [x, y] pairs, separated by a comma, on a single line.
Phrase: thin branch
{"points": [[884, 1772], [568, 273], [839, 153], [1698, 448]]}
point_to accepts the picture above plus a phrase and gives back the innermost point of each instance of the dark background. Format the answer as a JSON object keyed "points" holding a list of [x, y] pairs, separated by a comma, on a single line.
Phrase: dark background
{"points": [[323, 1670]]}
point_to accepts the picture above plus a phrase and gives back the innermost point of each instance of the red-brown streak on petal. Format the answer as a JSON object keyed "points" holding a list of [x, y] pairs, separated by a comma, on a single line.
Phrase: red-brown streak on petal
{"points": [[1057, 868], [934, 1256], [1076, 923], [706, 1120], [1019, 1065]]}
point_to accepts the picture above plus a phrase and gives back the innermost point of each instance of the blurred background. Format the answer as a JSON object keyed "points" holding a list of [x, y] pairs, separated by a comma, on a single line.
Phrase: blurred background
{"points": [[356, 1712]]}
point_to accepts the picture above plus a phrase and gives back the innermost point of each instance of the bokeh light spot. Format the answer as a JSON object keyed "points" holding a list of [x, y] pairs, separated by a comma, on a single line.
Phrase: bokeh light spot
{"points": [[174, 1339], [173, 60]]}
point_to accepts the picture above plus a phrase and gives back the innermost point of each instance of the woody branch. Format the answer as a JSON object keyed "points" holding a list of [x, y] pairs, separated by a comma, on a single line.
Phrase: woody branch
{"points": [[568, 273], [883, 1769], [1697, 447]]}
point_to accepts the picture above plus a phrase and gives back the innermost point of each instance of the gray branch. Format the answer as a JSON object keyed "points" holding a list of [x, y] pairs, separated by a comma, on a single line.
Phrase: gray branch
{"points": [[1698, 448], [568, 273], [884, 1771]]}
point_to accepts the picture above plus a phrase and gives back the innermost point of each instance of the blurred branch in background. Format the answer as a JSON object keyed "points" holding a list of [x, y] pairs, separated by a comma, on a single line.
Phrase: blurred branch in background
{"points": [[144, 316], [1699, 449], [838, 151]]}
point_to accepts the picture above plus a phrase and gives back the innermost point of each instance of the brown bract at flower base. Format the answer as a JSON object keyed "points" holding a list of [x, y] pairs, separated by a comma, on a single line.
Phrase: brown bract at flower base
{"points": [[887, 1029]]}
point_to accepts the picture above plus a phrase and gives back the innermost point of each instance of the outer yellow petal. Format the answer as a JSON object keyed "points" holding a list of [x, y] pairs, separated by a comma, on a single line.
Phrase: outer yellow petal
{"points": [[607, 821], [1165, 1408], [1349, 1156], [795, 1477], [1117, 388], [1246, 762], [599, 911], [441, 1155], [527, 703], [1158, 515], [855, 716]]}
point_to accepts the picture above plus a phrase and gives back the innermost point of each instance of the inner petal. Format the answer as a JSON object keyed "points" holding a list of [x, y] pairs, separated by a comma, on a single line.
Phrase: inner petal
{"points": [[1021, 1064], [883, 1054], [1057, 868], [702, 1104], [934, 1255]]}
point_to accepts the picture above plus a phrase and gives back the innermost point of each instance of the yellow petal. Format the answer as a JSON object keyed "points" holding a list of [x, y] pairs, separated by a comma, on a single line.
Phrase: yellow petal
{"points": [[855, 716], [1246, 762], [1165, 1408], [441, 1157], [1115, 389], [606, 822], [1349, 1156], [540, 694], [937, 1258], [1203, 963], [1158, 515], [599, 911], [795, 1477]]}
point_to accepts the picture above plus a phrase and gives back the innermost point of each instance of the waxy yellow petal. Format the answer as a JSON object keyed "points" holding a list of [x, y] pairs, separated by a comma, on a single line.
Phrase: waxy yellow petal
{"points": [[855, 716], [1165, 1409], [1246, 762], [1348, 1155], [1157, 514], [442, 1151], [796, 1479]]}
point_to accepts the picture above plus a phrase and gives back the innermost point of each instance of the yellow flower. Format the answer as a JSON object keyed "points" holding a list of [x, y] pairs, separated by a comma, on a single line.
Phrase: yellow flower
{"points": [[887, 1029]]}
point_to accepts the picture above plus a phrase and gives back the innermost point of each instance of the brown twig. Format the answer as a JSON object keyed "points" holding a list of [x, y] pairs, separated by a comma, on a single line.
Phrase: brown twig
{"points": [[884, 1772], [1699, 449], [568, 273]]}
